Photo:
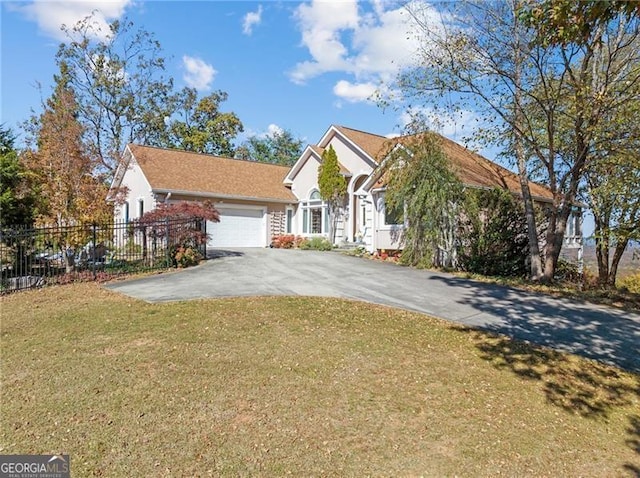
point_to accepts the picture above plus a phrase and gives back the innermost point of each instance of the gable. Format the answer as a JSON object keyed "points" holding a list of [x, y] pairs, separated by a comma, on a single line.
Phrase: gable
{"points": [[354, 157]]}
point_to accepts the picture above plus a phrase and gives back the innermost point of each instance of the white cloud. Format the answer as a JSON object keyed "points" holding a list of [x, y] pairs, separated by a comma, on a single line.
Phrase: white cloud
{"points": [[384, 43], [198, 74], [371, 42], [456, 125], [251, 19], [274, 129], [354, 92], [51, 15], [321, 24]]}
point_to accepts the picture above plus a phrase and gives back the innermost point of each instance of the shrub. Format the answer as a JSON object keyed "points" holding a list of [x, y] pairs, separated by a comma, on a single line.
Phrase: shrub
{"points": [[186, 256], [630, 283], [493, 238], [316, 243], [180, 225], [286, 241], [567, 271]]}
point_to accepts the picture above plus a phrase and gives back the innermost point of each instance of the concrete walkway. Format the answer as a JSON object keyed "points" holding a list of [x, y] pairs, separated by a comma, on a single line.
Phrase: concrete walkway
{"points": [[599, 332]]}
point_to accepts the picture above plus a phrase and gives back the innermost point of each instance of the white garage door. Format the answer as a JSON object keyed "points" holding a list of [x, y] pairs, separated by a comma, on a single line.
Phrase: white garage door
{"points": [[238, 228]]}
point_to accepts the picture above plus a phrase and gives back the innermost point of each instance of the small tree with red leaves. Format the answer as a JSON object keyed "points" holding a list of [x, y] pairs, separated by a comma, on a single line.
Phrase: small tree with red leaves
{"points": [[179, 227]]}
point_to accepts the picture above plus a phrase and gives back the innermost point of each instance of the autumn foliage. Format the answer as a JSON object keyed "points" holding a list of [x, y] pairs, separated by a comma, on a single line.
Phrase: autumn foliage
{"points": [[181, 225]]}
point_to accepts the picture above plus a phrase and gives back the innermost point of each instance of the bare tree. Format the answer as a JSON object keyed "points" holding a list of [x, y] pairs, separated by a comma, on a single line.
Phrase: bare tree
{"points": [[483, 57]]}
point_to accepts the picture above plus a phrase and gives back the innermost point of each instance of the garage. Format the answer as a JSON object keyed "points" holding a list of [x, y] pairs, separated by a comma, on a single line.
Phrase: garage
{"points": [[238, 227]]}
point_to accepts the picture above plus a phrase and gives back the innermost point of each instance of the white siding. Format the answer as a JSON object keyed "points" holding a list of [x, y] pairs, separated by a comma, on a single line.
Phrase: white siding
{"points": [[138, 189]]}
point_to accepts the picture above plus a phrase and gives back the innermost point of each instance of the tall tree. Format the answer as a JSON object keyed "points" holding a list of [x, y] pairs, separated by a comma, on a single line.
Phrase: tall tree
{"points": [[569, 21], [18, 198], [198, 125], [121, 91], [484, 55], [64, 166], [596, 123], [421, 183], [613, 185], [277, 147], [333, 187]]}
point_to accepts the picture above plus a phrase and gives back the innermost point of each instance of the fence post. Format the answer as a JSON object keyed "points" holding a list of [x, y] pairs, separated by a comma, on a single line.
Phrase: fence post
{"points": [[204, 228], [93, 258], [166, 244]]}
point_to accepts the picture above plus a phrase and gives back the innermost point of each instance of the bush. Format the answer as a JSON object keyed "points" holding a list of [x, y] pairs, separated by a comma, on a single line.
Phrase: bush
{"points": [[187, 256], [630, 283], [316, 244], [567, 271], [493, 234], [286, 241]]}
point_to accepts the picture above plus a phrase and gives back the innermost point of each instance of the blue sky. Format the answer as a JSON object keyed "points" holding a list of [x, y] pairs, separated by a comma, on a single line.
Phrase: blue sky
{"points": [[295, 65], [300, 66]]}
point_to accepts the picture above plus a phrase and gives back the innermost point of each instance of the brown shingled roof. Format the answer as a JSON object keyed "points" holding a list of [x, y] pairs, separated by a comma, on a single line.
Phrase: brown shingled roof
{"points": [[475, 170], [371, 144], [471, 168], [175, 170]]}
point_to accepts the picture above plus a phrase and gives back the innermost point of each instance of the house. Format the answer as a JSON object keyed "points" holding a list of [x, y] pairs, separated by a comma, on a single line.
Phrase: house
{"points": [[251, 197], [364, 218], [258, 201]]}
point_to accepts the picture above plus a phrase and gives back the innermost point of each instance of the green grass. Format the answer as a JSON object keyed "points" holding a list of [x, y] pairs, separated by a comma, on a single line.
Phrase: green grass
{"points": [[301, 387]]}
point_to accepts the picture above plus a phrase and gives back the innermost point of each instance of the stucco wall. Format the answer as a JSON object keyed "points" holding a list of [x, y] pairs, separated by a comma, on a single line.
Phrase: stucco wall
{"points": [[138, 189], [350, 157]]}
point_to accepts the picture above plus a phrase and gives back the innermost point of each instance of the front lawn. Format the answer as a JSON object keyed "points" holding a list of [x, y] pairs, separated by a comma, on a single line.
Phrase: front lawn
{"points": [[298, 386]]}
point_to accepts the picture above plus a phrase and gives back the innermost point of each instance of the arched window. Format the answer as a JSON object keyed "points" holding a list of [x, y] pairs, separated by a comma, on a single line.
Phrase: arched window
{"points": [[315, 214]]}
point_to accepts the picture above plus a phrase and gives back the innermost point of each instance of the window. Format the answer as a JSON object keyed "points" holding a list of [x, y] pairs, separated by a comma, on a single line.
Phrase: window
{"points": [[389, 216], [315, 214], [125, 212], [140, 207], [393, 216], [363, 215], [289, 222]]}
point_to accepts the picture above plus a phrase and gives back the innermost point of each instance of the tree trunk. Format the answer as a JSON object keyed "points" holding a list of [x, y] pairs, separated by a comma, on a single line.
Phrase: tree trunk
{"points": [[532, 228], [551, 255], [602, 250], [332, 223], [555, 238], [617, 255], [523, 175]]}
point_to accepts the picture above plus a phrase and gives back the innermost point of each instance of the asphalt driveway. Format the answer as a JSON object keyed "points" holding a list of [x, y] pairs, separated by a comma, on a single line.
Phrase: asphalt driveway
{"points": [[599, 332]]}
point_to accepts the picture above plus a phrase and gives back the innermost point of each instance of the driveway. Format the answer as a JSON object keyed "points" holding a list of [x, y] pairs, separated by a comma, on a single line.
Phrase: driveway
{"points": [[599, 332]]}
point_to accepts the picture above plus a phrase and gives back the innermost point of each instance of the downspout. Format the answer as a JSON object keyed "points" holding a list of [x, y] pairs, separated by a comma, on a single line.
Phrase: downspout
{"points": [[167, 197]]}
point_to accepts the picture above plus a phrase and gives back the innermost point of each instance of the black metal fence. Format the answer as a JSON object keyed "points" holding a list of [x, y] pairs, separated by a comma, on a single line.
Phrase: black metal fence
{"points": [[34, 257]]}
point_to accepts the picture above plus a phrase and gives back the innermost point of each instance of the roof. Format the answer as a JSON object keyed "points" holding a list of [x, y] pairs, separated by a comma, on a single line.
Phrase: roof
{"points": [[372, 144], [176, 170], [471, 168], [475, 170]]}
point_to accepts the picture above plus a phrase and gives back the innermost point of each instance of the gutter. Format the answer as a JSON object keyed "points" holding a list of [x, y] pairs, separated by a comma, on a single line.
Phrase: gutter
{"points": [[487, 188], [223, 196]]}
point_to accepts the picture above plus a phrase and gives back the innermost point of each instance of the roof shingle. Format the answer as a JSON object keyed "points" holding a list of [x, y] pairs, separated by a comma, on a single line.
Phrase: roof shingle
{"points": [[471, 168], [175, 170], [372, 144]]}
